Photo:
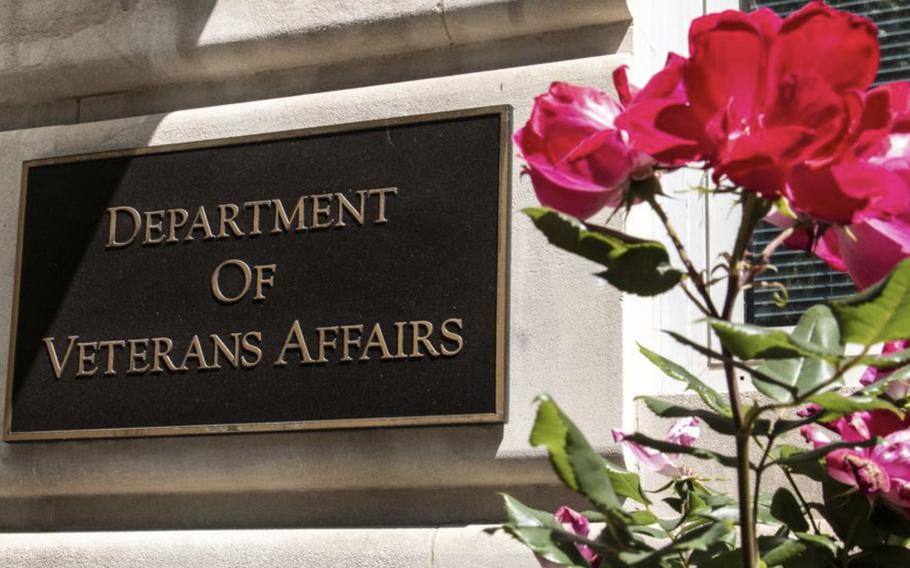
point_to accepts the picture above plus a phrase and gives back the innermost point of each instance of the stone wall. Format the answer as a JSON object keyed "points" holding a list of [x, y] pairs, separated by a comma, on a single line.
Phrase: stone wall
{"points": [[81, 75]]}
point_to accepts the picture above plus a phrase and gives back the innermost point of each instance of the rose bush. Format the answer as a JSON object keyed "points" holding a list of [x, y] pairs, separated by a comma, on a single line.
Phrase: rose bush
{"points": [[782, 114]]}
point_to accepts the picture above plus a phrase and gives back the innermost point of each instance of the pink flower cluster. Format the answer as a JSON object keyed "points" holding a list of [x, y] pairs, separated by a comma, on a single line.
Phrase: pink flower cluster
{"points": [[683, 432], [898, 389], [782, 107], [575, 523], [882, 470]]}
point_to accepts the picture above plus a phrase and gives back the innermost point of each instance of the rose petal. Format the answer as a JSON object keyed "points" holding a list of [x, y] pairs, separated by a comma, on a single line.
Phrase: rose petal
{"points": [[726, 64], [649, 457], [836, 45]]}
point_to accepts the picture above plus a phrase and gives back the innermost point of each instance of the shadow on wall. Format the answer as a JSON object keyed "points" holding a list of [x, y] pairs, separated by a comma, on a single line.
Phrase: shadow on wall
{"points": [[241, 480], [167, 58], [71, 34]]}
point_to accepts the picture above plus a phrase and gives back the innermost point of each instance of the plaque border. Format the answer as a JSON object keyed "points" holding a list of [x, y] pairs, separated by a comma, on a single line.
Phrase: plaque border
{"points": [[504, 112]]}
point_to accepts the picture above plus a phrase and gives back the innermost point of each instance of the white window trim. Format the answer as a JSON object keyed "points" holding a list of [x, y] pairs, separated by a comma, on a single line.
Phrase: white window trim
{"points": [[659, 27]]}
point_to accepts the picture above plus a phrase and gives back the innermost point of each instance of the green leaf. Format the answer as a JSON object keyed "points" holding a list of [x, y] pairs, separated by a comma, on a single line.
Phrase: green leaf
{"points": [[668, 447], [775, 551], [879, 313], [626, 483], [837, 405], [550, 431], [540, 531], [888, 361], [698, 539], [728, 559], [714, 400], [818, 540], [819, 453], [748, 341], [816, 327], [786, 509], [633, 265], [664, 409], [881, 385], [641, 518], [573, 459]]}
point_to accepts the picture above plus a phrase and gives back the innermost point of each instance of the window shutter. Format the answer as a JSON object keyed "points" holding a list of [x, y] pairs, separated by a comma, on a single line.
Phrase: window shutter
{"points": [[809, 280]]}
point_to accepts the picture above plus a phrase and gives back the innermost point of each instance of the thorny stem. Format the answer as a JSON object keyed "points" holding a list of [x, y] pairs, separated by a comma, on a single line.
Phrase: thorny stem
{"points": [[759, 471], [701, 307], [751, 215], [751, 206], [694, 274]]}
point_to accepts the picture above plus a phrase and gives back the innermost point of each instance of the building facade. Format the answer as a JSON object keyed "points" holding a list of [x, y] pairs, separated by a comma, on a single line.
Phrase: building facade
{"points": [[85, 76]]}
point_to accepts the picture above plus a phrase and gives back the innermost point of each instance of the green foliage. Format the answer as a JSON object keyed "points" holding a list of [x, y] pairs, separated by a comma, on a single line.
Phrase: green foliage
{"points": [[573, 459], [837, 405], [671, 448], [749, 342], [664, 409], [785, 508], [540, 532], [880, 313], [818, 328], [709, 396], [633, 265], [789, 370]]}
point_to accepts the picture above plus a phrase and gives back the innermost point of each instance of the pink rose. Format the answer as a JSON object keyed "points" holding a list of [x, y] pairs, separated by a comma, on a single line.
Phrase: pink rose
{"points": [[897, 389], [683, 432], [870, 243], [882, 470], [576, 523], [579, 162]]}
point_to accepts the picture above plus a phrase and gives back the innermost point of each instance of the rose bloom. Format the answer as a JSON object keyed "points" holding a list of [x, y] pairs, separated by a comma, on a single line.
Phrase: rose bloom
{"points": [[579, 162], [683, 432], [898, 389], [879, 471], [868, 246], [779, 107], [576, 523]]}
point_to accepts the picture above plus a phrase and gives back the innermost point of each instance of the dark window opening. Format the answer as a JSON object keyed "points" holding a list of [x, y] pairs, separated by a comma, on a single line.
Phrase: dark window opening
{"points": [[809, 280]]}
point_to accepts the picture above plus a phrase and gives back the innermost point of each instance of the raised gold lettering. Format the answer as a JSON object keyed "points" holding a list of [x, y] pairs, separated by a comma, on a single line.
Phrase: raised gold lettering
{"points": [[56, 364], [347, 341], [200, 222], [109, 347], [86, 357], [453, 336], [256, 205], [137, 356], [294, 340], [226, 218], [112, 241], [324, 341], [282, 219], [251, 348], [154, 222], [319, 213], [419, 339], [161, 352], [174, 224]]}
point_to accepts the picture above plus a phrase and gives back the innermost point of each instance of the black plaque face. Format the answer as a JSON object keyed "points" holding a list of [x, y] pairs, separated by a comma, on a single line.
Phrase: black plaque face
{"points": [[331, 278]]}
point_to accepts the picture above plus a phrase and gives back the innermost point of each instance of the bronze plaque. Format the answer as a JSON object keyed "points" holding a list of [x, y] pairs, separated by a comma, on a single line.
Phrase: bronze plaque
{"points": [[339, 277]]}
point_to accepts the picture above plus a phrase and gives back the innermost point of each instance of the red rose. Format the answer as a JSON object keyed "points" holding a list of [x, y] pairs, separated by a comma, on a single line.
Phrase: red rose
{"points": [[578, 160], [776, 106]]}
